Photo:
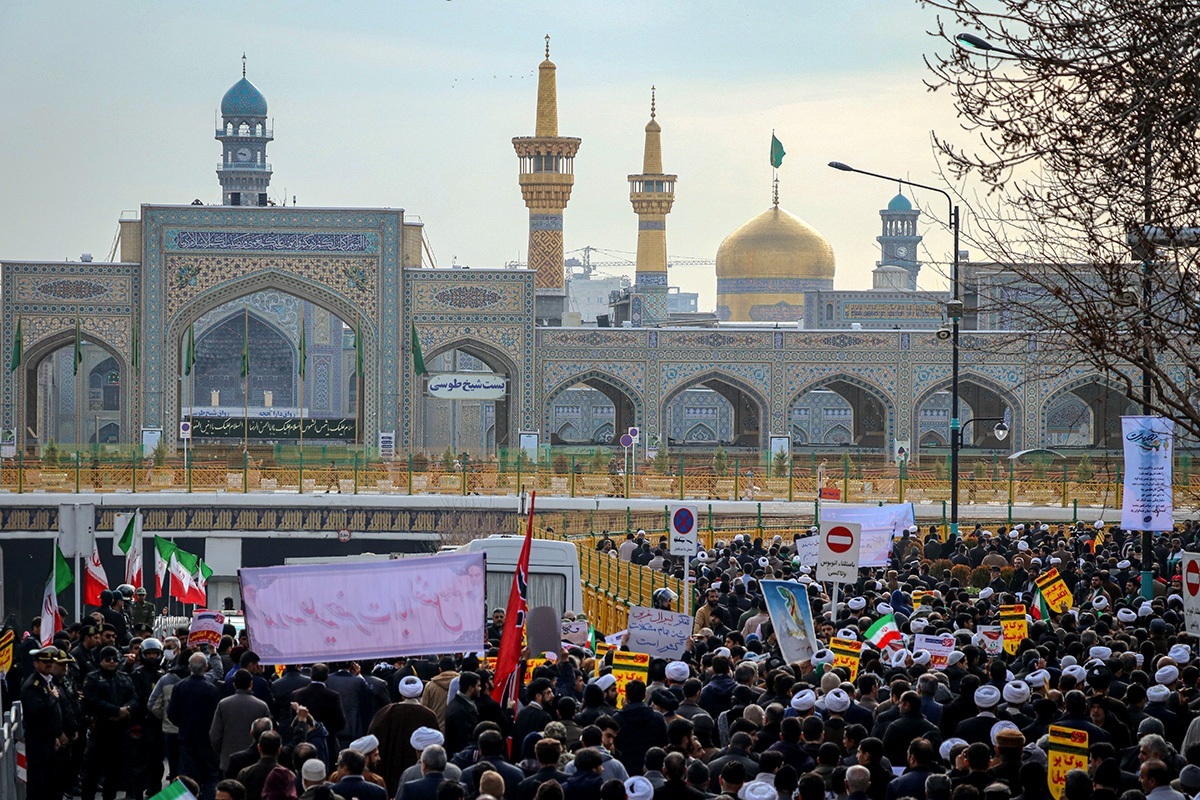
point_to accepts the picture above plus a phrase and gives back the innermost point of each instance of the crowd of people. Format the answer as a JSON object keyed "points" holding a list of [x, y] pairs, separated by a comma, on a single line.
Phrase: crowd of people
{"points": [[107, 711]]}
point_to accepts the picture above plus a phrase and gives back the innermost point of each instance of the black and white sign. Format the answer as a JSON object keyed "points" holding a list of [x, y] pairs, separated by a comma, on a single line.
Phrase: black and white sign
{"points": [[837, 553], [1191, 593], [185, 429]]}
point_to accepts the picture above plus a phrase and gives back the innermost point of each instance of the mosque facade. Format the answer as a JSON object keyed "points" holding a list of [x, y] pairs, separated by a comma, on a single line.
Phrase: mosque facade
{"points": [[254, 323]]}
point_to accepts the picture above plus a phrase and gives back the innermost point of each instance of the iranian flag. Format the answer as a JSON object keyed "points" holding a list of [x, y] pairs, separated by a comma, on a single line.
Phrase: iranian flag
{"points": [[163, 550], [189, 577], [94, 579], [883, 632], [1038, 608], [127, 536], [174, 791], [60, 578]]}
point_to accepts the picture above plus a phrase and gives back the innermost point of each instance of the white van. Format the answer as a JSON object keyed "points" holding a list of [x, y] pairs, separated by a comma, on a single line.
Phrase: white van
{"points": [[553, 572]]}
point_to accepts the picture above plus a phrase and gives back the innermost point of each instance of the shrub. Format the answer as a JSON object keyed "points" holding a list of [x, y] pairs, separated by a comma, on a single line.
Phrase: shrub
{"points": [[447, 460], [160, 453], [662, 462], [961, 573], [721, 462], [560, 463], [420, 462], [936, 568], [50, 454], [981, 577], [979, 470], [1085, 470]]}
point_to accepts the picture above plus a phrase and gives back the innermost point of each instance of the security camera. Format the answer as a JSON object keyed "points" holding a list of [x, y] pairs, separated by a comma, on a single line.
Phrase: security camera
{"points": [[944, 332]]}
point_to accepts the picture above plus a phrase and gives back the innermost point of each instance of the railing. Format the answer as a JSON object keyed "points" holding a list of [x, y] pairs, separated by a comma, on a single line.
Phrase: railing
{"points": [[244, 165], [11, 729]]}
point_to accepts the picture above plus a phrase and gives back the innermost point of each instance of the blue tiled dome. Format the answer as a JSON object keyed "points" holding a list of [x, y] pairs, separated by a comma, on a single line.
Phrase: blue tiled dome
{"points": [[897, 203], [243, 100]]}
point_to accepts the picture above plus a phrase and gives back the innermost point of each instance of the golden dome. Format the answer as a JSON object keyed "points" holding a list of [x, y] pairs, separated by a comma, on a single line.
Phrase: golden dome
{"points": [[776, 244]]}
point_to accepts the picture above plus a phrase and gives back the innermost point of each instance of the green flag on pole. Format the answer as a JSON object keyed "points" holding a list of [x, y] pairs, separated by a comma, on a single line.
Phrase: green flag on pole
{"points": [[418, 359], [135, 346], [189, 355], [175, 791], [17, 355], [78, 347], [777, 152], [63, 577], [302, 353], [245, 356]]}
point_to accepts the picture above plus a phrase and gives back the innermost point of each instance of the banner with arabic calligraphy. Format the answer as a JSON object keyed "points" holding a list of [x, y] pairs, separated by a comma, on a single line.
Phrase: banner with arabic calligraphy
{"points": [[362, 610], [1148, 504], [658, 633], [468, 386], [272, 428]]}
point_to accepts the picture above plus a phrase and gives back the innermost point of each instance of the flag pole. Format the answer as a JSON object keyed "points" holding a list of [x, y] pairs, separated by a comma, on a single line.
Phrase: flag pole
{"points": [[303, 371], [246, 376], [76, 357], [191, 399]]}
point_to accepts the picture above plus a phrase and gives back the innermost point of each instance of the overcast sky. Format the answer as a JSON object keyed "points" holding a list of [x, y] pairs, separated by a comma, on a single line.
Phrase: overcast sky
{"points": [[108, 105]]}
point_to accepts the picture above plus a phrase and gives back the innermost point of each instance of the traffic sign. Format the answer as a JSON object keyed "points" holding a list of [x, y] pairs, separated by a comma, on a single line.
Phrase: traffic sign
{"points": [[635, 432], [683, 539], [1191, 593], [626, 440], [343, 535], [185, 429], [837, 552]]}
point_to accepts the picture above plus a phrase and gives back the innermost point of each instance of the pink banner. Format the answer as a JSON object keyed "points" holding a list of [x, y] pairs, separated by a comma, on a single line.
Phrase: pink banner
{"points": [[362, 610]]}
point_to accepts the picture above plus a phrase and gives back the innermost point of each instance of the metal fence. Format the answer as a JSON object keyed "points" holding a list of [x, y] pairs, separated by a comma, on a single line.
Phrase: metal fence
{"points": [[11, 729]]}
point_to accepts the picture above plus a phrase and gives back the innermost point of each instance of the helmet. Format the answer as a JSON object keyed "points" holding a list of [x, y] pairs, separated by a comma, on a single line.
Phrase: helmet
{"points": [[125, 590], [106, 597], [663, 594], [141, 591], [152, 644]]}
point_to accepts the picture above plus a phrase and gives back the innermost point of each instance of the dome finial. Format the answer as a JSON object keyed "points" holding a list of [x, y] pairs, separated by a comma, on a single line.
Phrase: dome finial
{"points": [[652, 102], [243, 64], [547, 47]]}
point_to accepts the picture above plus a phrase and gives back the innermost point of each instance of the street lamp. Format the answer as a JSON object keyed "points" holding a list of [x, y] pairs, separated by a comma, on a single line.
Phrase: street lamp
{"points": [[954, 310]]}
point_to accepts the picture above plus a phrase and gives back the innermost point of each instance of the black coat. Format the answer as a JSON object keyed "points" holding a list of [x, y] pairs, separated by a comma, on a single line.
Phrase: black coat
{"points": [[529, 719], [461, 718], [423, 789], [325, 705], [641, 728]]}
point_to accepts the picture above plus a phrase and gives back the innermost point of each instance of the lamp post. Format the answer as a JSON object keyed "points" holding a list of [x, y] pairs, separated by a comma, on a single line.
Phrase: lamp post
{"points": [[954, 311]]}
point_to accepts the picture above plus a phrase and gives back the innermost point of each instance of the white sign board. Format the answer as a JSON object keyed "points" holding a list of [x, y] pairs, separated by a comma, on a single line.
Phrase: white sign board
{"points": [[806, 549], [880, 524], [1191, 593], [575, 632], [939, 648], [662, 634], [185, 429], [684, 523], [837, 552], [468, 386], [992, 637], [1148, 504]]}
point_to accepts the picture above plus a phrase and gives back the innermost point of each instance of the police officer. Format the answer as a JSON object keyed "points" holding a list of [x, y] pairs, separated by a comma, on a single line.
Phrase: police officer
{"points": [[146, 739], [108, 698], [69, 758], [141, 612], [114, 614], [43, 727], [87, 652]]}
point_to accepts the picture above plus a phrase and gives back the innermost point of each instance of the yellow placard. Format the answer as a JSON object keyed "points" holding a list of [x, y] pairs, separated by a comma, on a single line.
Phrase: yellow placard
{"points": [[1068, 750], [530, 665], [628, 667], [602, 649], [919, 597], [6, 651], [846, 653], [1016, 627], [1054, 590]]}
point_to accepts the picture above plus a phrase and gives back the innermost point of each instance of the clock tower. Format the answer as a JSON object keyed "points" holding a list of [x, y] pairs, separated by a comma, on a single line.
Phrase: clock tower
{"points": [[244, 172], [899, 239]]}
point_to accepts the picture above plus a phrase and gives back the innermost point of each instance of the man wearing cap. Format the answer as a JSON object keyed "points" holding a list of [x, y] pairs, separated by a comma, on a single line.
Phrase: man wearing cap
{"points": [[87, 652], [43, 727], [394, 726], [141, 611], [108, 698]]}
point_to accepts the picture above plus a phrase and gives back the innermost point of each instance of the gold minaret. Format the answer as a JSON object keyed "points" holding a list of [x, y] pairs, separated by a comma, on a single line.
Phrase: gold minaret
{"points": [[652, 194], [547, 174]]}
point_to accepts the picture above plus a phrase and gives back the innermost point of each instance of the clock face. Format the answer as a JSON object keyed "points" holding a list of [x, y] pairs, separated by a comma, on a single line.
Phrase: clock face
{"points": [[902, 251], [243, 154]]}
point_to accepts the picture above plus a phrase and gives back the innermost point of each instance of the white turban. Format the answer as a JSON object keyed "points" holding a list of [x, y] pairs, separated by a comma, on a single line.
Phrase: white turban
{"points": [[1101, 652], [638, 788], [986, 593], [365, 744], [678, 671], [823, 657], [1038, 678], [948, 745], [1016, 693], [922, 657], [848, 633], [425, 737], [1158, 694], [917, 625], [883, 608], [1167, 675], [755, 790], [898, 658], [1002, 725], [837, 701], [1180, 653], [1123, 564], [1144, 610], [1127, 615], [804, 700], [763, 561], [1021, 545], [1077, 672], [1100, 603], [857, 603], [987, 696], [606, 682], [411, 687]]}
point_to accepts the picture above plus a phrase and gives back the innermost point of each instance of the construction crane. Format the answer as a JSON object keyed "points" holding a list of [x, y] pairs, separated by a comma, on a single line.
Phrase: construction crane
{"points": [[620, 259]]}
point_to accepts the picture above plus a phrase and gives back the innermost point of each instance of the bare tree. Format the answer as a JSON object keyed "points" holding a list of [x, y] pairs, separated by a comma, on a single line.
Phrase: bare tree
{"points": [[1082, 134]]}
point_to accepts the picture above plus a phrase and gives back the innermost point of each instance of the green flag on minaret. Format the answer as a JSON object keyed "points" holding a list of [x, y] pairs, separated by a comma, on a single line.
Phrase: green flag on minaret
{"points": [[18, 354], [302, 352], [777, 152], [418, 359], [189, 355], [78, 347]]}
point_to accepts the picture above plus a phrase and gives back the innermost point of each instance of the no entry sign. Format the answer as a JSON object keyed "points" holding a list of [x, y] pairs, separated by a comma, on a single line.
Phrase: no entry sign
{"points": [[683, 531], [1191, 593], [837, 553]]}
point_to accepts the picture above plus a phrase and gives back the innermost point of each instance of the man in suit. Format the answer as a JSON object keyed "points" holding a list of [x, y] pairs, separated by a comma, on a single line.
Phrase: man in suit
{"points": [[323, 704], [281, 690], [675, 787], [235, 716], [461, 714], [433, 764], [350, 685], [533, 717], [353, 786], [245, 758], [548, 752], [191, 709], [254, 776]]}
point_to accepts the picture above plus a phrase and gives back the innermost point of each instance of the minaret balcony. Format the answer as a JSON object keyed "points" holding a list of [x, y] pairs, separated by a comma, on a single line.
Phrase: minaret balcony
{"points": [[246, 133]]}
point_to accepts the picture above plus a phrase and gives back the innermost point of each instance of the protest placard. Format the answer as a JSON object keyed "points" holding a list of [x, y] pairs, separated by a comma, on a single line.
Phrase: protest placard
{"points": [[658, 633], [846, 653], [628, 667], [1054, 590], [575, 632], [939, 647], [791, 616], [993, 639], [1068, 750], [206, 628], [1015, 626]]}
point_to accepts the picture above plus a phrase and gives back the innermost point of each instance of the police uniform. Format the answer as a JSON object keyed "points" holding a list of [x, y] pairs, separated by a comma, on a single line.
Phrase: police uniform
{"points": [[43, 727], [105, 693], [141, 615]]}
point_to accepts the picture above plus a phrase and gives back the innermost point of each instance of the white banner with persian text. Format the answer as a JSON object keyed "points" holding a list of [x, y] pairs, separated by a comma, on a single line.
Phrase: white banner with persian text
{"points": [[880, 524], [662, 634], [1148, 504], [468, 386], [362, 610]]}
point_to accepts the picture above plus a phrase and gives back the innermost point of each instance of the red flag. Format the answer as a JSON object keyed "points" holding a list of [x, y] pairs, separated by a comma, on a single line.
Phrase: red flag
{"points": [[507, 675]]}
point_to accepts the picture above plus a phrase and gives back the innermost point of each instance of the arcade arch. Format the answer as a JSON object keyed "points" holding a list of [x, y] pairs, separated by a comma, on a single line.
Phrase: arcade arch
{"points": [[730, 408], [841, 411], [595, 406]]}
